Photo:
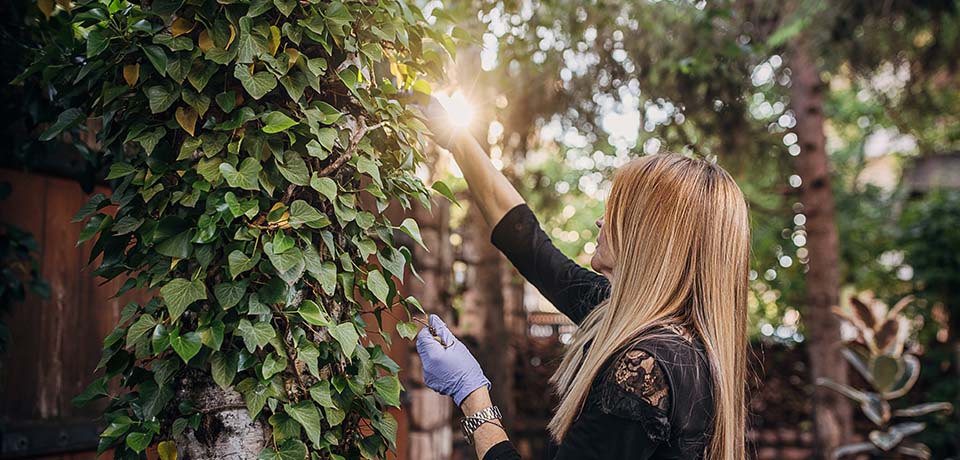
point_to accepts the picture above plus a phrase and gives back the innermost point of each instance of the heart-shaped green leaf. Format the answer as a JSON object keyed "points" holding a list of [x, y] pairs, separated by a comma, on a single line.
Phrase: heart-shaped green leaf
{"points": [[187, 345], [179, 293], [346, 335]]}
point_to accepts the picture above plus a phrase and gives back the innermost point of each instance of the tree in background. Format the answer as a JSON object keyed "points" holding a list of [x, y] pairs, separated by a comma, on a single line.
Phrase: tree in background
{"points": [[252, 148]]}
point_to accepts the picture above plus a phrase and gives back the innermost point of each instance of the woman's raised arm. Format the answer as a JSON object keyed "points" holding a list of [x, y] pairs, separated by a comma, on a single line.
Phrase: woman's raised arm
{"points": [[492, 192]]}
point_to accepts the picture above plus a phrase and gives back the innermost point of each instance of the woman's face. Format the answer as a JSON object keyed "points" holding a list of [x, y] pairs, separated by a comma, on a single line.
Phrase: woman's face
{"points": [[602, 261]]}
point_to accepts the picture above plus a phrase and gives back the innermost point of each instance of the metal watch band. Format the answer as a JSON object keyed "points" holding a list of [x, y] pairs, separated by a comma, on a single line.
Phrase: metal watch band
{"points": [[470, 423]]}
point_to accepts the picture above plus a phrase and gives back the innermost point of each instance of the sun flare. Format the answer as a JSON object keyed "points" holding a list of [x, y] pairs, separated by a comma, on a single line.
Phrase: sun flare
{"points": [[459, 109]]}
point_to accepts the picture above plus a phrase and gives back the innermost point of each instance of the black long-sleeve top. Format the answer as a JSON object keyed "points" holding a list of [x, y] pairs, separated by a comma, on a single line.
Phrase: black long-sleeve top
{"points": [[652, 400]]}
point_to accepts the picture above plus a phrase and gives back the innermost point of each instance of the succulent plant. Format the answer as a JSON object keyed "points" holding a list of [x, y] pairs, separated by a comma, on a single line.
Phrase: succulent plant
{"points": [[878, 354]]}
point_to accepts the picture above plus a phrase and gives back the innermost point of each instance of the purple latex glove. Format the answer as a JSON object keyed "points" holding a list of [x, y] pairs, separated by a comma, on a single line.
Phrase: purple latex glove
{"points": [[451, 370]]}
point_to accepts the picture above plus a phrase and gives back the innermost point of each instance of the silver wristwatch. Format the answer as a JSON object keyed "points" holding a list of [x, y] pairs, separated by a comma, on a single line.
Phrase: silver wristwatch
{"points": [[470, 423]]}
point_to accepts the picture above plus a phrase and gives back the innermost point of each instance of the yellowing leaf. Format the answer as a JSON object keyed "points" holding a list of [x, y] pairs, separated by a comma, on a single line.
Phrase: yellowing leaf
{"points": [[204, 42], [131, 73], [187, 118], [274, 40], [233, 35], [181, 26], [167, 450], [65, 4], [294, 55], [46, 7], [399, 71], [173, 262]]}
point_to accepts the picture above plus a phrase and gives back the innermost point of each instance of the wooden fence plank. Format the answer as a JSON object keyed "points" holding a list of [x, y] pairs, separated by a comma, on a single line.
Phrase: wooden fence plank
{"points": [[19, 374]]}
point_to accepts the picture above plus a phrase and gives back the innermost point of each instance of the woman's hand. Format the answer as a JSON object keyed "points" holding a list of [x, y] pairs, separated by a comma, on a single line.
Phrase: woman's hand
{"points": [[449, 370], [436, 117]]}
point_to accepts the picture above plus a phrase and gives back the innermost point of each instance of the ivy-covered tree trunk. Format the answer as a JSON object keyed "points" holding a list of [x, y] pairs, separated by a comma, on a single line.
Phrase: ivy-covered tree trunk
{"points": [[252, 148], [832, 413]]}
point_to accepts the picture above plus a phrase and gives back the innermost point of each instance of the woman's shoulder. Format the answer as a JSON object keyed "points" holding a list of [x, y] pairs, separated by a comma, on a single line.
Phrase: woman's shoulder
{"points": [[642, 380]]}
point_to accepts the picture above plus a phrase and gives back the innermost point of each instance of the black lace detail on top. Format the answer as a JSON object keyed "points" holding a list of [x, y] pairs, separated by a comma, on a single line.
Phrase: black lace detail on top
{"points": [[635, 388]]}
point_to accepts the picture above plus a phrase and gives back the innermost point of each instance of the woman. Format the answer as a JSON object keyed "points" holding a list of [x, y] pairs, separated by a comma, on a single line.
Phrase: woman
{"points": [[657, 367]]}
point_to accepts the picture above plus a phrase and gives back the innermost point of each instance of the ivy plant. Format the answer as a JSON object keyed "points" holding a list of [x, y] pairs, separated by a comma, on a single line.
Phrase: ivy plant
{"points": [[252, 148]]}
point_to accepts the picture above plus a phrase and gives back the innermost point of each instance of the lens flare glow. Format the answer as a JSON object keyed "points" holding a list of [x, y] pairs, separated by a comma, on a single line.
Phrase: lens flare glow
{"points": [[459, 109]]}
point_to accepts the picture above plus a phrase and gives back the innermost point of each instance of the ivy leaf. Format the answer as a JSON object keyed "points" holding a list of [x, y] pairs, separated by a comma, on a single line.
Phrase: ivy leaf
{"points": [[199, 101], [313, 314], [335, 415], [306, 413], [229, 294], [255, 395], [378, 285], [212, 334], [387, 426], [294, 169], [255, 335], [154, 398], [67, 119], [161, 98], [276, 122], [284, 427], [179, 293], [321, 394], [392, 260], [285, 6], [388, 389], [346, 335], [139, 329], [443, 189], [97, 41], [328, 277], [302, 213], [246, 177], [158, 57], [187, 119], [309, 355], [410, 227], [149, 139], [290, 264], [118, 170], [139, 441], [258, 84], [223, 366], [167, 450], [290, 449], [295, 83], [407, 330], [368, 167], [226, 101], [238, 262], [327, 137], [325, 185], [249, 44], [273, 364], [187, 345]]}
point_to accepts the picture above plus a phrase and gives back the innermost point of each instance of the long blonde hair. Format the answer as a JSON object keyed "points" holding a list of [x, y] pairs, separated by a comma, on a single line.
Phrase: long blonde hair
{"points": [[680, 233]]}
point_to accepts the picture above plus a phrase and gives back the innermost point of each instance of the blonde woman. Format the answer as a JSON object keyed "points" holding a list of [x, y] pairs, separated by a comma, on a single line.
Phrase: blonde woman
{"points": [[657, 367]]}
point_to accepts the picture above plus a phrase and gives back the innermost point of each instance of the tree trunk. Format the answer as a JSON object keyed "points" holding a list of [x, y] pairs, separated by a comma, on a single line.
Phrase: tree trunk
{"points": [[226, 431], [483, 321], [832, 413]]}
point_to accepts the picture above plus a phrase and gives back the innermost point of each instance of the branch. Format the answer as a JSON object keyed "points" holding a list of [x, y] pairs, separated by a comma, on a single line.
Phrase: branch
{"points": [[351, 149]]}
